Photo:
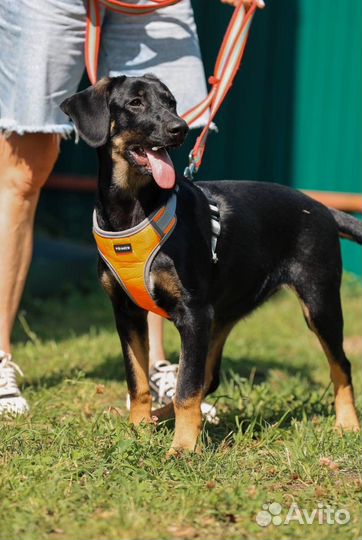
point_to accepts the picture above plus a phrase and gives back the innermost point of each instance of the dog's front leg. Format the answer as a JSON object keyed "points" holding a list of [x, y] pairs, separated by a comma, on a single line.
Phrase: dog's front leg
{"points": [[194, 328], [133, 333]]}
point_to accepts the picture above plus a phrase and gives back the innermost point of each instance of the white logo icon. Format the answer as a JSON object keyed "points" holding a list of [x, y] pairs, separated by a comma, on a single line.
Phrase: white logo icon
{"points": [[269, 514]]}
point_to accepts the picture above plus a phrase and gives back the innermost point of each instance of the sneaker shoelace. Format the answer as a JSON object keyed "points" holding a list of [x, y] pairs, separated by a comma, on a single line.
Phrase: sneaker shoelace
{"points": [[163, 379], [8, 371]]}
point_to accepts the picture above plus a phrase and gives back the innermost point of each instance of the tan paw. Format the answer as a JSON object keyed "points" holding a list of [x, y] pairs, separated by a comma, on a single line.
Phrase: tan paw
{"points": [[141, 419], [175, 453], [350, 426], [179, 451]]}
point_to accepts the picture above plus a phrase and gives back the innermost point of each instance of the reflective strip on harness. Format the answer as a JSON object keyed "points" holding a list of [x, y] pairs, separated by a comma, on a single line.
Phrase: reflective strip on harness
{"points": [[129, 254]]}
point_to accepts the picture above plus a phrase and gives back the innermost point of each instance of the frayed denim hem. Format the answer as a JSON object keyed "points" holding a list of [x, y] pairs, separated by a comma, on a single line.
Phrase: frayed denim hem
{"points": [[8, 127], [64, 130]]}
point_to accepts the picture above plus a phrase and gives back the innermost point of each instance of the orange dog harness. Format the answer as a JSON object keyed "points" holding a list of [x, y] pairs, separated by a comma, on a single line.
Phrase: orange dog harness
{"points": [[130, 253]]}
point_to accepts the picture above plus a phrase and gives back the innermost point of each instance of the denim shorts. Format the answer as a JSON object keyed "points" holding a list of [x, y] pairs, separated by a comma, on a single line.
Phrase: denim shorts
{"points": [[42, 57]]}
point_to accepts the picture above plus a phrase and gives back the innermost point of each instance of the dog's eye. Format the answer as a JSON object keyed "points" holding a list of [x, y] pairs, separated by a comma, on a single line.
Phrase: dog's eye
{"points": [[136, 102]]}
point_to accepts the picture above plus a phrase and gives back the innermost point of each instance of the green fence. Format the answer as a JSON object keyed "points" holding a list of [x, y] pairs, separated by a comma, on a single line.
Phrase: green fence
{"points": [[293, 115], [327, 123]]}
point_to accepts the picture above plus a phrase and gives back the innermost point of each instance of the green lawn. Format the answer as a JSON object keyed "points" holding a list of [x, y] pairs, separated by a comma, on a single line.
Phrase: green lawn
{"points": [[74, 469]]}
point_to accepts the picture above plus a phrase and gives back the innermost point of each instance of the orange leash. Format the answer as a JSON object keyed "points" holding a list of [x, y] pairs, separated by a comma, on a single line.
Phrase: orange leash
{"points": [[226, 67]]}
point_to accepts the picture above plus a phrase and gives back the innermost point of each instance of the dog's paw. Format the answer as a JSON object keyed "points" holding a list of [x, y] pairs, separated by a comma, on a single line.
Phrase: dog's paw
{"points": [[138, 420], [347, 419], [175, 453], [349, 427], [182, 451]]}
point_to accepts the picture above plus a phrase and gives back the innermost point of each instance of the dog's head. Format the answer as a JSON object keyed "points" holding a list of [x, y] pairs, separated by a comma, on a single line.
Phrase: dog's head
{"points": [[137, 115]]}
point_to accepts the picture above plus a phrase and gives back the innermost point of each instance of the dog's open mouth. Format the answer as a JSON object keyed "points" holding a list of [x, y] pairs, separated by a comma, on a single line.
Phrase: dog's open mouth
{"points": [[157, 162]]}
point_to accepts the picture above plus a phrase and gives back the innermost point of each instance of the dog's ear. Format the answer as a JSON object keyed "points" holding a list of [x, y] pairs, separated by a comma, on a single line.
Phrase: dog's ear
{"points": [[89, 112]]}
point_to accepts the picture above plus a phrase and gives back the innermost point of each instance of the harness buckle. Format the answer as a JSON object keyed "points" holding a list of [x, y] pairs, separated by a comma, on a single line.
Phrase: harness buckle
{"points": [[215, 231], [191, 169]]}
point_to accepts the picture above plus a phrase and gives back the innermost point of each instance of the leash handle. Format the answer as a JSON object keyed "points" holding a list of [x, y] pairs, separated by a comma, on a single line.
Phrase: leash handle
{"points": [[227, 65]]}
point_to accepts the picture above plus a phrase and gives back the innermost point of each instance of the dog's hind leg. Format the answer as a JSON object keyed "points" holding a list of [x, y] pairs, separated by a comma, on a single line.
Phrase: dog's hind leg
{"points": [[133, 333], [322, 310]]}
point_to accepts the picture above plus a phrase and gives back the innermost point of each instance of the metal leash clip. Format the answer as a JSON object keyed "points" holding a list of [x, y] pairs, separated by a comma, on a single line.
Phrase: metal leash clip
{"points": [[191, 169]]}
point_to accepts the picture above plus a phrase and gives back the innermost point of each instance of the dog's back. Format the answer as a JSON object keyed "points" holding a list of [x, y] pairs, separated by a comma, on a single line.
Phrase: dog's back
{"points": [[269, 233]]}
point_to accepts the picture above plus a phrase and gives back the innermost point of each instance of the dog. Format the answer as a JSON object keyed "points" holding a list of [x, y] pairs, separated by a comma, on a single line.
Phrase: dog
{"points": [[271, 237]]}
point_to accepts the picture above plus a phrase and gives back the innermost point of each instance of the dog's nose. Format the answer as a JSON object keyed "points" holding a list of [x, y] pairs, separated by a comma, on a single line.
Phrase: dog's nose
{"points": [[177, 128]]}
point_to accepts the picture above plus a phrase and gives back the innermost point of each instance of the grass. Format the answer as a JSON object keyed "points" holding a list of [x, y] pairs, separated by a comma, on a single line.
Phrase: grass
{"points": [[74, 469]]}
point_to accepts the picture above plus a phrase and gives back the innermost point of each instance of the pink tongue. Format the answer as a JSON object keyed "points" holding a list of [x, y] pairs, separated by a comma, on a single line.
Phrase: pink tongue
{"points": [[162, 168]]}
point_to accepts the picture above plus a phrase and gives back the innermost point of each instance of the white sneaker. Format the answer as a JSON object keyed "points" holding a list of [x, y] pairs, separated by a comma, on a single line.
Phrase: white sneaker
{"points": [[163, 379], [209, 413], [11, 401]]}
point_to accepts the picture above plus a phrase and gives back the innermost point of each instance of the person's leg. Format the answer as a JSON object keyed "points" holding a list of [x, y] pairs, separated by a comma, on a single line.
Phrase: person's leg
{"points": [[25, 164], [30, 113], [163, 374], [155, 328]]}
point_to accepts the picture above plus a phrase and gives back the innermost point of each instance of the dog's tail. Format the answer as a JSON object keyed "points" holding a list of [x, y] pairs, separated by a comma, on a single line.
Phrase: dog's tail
{"points": [[348, 226]]}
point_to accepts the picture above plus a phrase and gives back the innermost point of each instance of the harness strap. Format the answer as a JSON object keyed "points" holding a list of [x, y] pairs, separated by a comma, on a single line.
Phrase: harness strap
{"points": [[215, 224], [215, 229]]}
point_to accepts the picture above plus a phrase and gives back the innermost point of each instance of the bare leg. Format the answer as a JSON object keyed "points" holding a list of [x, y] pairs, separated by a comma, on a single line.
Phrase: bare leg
{"points": [[25, 164], [155, 333]]}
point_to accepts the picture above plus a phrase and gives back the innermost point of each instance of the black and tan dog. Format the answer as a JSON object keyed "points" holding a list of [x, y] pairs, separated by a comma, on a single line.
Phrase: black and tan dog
{"points": [[271, 236]]}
